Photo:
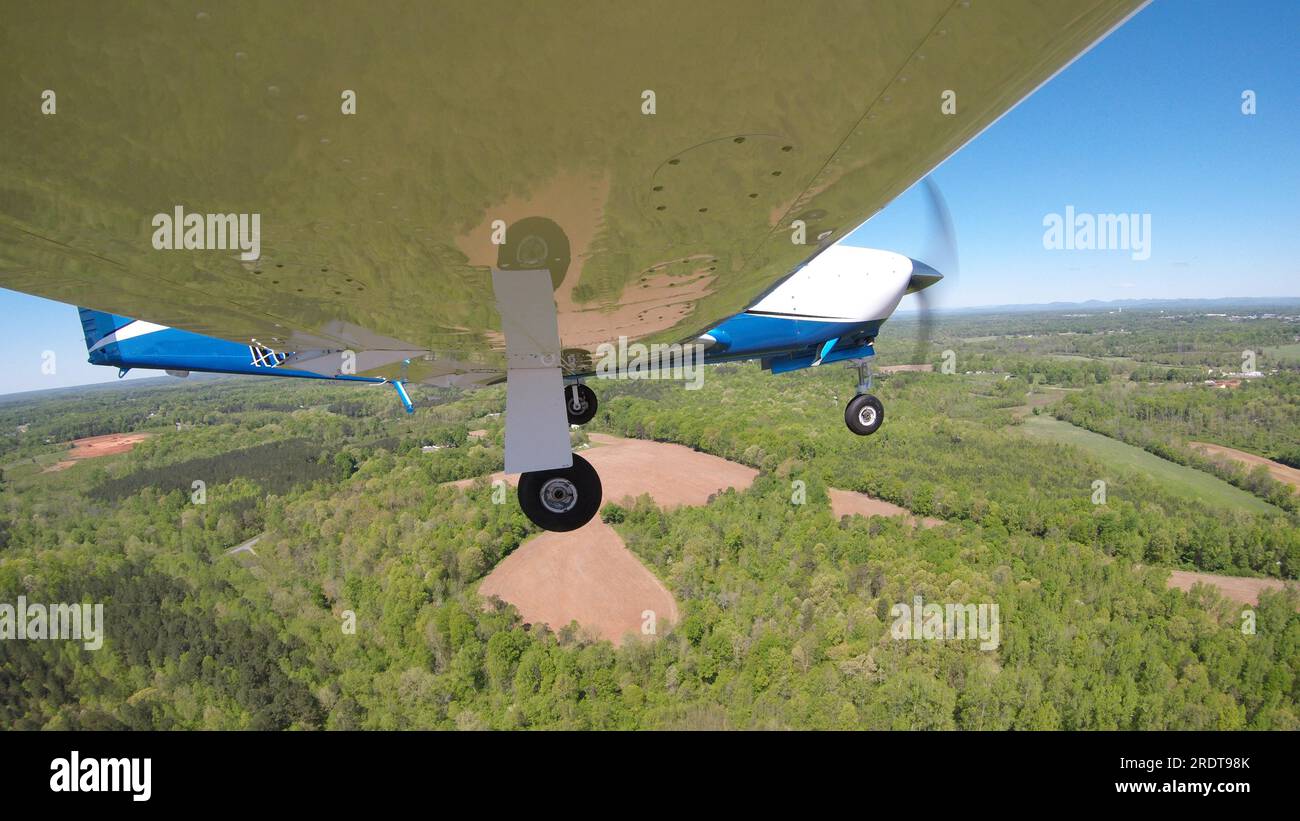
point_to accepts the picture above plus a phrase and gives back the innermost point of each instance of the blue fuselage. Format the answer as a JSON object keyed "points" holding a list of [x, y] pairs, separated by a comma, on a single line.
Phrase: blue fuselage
{"points": [[786, 343]]}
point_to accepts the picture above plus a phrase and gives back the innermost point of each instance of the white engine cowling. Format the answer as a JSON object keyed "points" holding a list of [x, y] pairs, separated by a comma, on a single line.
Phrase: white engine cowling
{"points": [[847, 283]]}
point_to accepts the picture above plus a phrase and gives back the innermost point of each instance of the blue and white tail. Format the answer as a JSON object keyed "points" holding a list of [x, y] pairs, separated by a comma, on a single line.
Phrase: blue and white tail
{"points": [[96, 325], [125, 343]]}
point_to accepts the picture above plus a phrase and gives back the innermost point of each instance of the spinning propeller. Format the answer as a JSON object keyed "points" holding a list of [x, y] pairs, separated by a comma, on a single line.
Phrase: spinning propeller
{"points": [[940, 256]]}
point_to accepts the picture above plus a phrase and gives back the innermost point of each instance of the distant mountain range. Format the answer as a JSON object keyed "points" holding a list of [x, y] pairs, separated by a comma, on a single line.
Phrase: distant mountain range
{"points": [[1220, 305], [159, 381]]}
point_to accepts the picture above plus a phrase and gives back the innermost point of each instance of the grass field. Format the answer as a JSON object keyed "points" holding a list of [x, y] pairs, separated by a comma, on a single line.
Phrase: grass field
{"points": [[1289, 353], [1184, 481]]}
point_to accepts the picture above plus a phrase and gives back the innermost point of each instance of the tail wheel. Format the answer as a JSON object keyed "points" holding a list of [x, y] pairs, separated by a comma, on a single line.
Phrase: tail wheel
{"points": [[864, 414], [561, 499], [580, 403]]}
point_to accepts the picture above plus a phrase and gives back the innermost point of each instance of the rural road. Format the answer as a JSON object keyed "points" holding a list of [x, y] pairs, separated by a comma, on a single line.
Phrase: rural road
{"points": [[246, 547]]}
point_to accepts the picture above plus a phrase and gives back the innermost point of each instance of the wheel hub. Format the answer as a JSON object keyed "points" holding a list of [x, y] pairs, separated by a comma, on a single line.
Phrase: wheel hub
{"points": [[867, 416], [532, 251], [559, 495]]}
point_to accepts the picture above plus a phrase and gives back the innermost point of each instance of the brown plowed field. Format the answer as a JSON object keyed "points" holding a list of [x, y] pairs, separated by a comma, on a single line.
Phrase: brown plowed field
{"points": [[93, 446], [588, 575]]}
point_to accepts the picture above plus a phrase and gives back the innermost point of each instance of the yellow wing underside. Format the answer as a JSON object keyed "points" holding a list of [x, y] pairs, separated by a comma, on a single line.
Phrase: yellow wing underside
{"points": [[652, 155]]}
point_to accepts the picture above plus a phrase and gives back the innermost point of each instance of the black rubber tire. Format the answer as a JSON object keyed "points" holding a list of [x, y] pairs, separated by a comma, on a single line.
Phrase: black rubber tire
{"points": [[864, 414], [586, 404], [560, 514]]}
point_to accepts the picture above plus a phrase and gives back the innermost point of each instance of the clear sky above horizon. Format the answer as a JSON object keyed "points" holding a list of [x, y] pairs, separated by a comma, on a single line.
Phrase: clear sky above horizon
{"points": [[1148, 122]]}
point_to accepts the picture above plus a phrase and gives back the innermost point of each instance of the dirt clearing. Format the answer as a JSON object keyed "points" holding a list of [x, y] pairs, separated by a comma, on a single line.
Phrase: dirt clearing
{"points": [[1236, 588], [95, 446], [1277, 470], [588, 575], [848, 502], [673, 475]]}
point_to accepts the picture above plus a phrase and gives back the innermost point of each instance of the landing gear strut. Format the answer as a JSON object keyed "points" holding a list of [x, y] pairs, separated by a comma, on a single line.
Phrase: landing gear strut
{"points": [[864, 413], [580, 403], [558, 490]]}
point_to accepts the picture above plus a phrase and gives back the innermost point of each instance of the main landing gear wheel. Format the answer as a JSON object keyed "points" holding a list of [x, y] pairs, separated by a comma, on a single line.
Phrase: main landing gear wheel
{"points": [[561, 499], [863, 414], [580, 403]]}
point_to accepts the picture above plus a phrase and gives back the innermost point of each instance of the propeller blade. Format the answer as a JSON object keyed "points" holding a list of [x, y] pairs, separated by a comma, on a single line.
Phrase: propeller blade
{"points": [[924, 326], [941, 255], [941, 246]]}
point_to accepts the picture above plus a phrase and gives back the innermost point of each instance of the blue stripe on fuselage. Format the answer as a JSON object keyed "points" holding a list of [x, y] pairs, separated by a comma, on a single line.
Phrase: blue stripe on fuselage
{"points": [[750, 336]]}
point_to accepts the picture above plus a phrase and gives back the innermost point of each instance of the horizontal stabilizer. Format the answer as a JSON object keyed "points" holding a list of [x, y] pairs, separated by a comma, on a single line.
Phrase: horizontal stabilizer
{"points": [[337, 362]]}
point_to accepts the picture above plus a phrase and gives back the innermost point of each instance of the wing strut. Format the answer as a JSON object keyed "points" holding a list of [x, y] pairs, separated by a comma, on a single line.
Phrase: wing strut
{"points": [[405, 398], [537, 427]]}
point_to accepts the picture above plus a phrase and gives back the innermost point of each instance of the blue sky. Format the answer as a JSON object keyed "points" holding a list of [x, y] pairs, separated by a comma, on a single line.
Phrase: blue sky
{"points": [[1148, 122]]}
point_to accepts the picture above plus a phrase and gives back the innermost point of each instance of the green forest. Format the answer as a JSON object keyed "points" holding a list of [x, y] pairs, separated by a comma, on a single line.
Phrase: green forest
{"points": [[360, 607]]}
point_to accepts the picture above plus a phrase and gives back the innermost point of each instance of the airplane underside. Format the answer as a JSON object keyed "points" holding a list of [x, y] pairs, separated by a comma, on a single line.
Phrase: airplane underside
{"points": [[687, 176]]}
